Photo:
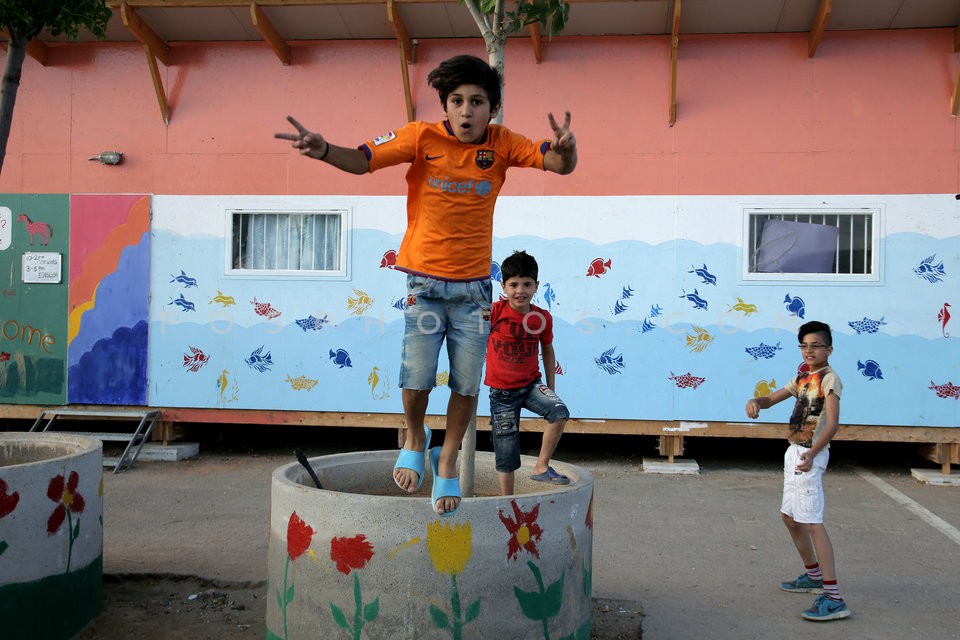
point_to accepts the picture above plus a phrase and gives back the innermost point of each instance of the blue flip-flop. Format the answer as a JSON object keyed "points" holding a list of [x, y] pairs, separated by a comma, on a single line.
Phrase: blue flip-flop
{"points": [[551, 476], [413, 460], [443, 487]]}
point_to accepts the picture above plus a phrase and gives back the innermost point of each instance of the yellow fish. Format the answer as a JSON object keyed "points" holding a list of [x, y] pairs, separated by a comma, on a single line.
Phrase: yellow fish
{"points": [[700, 341], [301, 382], [374, 380], [745, 307], [443, 378], [764, 388], [223, 382], [360, 304], [226, 301]]}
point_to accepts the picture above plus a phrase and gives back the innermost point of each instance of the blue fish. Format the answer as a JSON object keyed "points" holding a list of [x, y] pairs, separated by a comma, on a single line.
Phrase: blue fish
{"points": [[929, 271], [626, 293], [312, 323], [609, 363], [698, 302], [495, 274], [183, 303], [549, 295], [870, 369], [258, 361], [619, 307], [655, 310], [764, 350], [185, 280], [400, 304], [866, 325], [647, 326], [795, 305], [706, 276], [340, 358]]}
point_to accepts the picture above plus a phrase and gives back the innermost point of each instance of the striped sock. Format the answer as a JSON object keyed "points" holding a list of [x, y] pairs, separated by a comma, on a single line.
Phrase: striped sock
{"points": [[813, 571], [831, 590]]}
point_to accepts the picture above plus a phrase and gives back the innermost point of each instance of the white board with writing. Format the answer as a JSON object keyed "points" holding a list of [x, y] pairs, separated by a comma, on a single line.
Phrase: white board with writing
{"points": [[41, 267]]}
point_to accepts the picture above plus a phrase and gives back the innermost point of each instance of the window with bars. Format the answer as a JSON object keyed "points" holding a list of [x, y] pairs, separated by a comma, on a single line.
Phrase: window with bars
{"points": [[811, 244], [289, 242]]}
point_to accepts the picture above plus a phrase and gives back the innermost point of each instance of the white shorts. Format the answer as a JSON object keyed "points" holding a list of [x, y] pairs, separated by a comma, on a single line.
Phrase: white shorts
{"points": [[803, 492]]}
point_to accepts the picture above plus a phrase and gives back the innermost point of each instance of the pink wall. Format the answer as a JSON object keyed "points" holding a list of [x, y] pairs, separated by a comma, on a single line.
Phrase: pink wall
{"points": [[868, 114]]}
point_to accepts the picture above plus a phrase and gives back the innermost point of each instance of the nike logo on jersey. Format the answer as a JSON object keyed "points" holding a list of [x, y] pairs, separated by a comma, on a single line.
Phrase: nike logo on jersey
{"points": [[429, 157]]}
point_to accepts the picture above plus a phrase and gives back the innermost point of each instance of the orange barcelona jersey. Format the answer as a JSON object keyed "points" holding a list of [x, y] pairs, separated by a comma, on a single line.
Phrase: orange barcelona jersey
{"points": [[451, 191]]}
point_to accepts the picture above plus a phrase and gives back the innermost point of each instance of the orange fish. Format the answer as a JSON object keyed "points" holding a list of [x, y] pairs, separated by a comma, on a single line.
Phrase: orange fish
{"points": [[388, 260], [599, 267]]}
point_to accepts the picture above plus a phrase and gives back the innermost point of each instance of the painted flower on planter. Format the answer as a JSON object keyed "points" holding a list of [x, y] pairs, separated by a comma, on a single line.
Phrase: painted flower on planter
{"points": [[524, 530], [8, 502], [299, 537], [450, 547], [588, 521], [352, 554], [542, 604], [69, 502]]}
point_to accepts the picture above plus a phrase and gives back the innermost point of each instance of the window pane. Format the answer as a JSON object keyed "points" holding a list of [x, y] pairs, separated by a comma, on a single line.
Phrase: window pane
{"points": [[267, 241], [810, 242]]}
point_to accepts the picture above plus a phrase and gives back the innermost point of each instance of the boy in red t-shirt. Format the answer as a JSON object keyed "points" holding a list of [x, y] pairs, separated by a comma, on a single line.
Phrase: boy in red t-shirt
{"points": [[518, 330]]}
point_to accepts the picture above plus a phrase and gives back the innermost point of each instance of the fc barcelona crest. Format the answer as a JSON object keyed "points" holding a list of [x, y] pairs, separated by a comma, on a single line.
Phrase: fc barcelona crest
{"points": [[485, 158]]}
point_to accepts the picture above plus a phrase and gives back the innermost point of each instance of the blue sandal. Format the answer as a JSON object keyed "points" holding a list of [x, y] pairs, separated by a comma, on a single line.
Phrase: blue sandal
{"points": [[443, 487], [413, 460]]}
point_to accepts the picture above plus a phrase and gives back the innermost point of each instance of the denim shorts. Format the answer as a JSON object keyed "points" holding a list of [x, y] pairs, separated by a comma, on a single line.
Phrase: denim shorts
{"points": [[436, 310], [505, 406]]}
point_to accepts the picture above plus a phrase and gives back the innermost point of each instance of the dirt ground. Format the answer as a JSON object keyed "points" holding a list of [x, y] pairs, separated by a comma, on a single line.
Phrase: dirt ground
{"points": [[176, 608]]}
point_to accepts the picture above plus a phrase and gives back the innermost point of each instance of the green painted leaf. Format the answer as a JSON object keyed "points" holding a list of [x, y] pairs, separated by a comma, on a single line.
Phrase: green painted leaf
{"points": [[272, 636], [440, 619], [290, 594], [76, 530], [588, 582], [371, 611], [279, 600], [472, 611], [553, 598], [3, 546], [338, 617], [529, 603]]}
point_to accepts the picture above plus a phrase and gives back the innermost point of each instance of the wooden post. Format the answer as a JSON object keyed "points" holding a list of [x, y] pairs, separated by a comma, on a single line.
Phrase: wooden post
{"points": [[671, 446]]}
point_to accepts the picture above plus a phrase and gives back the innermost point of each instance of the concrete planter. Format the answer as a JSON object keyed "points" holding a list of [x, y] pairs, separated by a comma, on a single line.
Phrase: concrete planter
{"points": [[51, 534], [360, 560]]}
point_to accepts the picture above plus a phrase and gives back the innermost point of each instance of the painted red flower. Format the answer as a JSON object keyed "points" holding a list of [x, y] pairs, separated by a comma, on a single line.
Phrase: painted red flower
{"points": [[7, 502], [350, 553], [66, 497], [524, 530], [299, 536]]}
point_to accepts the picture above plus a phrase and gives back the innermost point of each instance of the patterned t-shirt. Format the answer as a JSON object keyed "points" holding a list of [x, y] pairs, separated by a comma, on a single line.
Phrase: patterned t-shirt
{"points": [[513, 347], [811, 389], [451, 191]]}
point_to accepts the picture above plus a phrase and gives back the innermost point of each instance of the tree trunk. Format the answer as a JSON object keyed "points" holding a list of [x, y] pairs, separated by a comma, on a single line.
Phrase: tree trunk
{"points": [[16, 52]]}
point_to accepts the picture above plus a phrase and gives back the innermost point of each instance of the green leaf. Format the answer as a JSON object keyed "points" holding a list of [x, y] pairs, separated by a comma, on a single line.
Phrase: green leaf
{"points": [[440, 619], [529, 603], [272, 636], [587, 582], [3, 546], [553, 598], [371, 611], [290, 594], [338, 617], [472, 611], [279, 600], [76, 530]]}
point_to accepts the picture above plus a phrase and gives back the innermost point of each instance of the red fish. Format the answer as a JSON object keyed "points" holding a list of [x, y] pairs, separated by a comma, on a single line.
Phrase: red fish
{"points": [[264, 309], [599, 267], [944, 318], [948, 390], [4, 356], [558, 369], [196, 360], [687, 380], [388, 260]]}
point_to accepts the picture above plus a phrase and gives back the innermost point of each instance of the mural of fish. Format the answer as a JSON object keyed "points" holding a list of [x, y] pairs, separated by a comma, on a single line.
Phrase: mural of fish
{"points": [[301, 383], [4, 356], [744, 307], [549, 296], [340, 358], [700, 340], [705, 276], [764, 388], [687, 380], [948, 390], [656, 311], [929, 271], [764, 350], [610, 363], [311, 323], [224, 383], [185, 280], [647, 326], [195, 359], [866, 325], [183, 303], [222, 299], [375, 381], [359, 305], [598, 267], [698, 302], [558, 369], [264, 309], [399, 304], [443, 377], [627, 292], [619, 307], [944, 317], [870, 370], [259, 361], [389, 259], [795, 305], [495, 274]]}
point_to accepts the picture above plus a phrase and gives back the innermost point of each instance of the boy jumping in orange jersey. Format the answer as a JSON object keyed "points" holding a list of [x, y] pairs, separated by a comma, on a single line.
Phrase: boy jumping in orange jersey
{"points": [[457, 168]]}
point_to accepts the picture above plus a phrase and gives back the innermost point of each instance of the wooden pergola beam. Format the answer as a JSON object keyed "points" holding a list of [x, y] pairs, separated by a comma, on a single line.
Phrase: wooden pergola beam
{"points": [[406, 53], [819, 26], [269, 33], [674, 56], [35, 48], [535, 40], [155, 48]]}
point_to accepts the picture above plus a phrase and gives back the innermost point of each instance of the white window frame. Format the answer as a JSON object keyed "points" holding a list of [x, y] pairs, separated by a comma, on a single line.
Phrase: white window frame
{"points": [[747, 248], [344, 245]]}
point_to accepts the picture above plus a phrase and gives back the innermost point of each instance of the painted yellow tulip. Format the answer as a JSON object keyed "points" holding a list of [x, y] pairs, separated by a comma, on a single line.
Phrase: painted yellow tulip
{"points": [[449, 546]]}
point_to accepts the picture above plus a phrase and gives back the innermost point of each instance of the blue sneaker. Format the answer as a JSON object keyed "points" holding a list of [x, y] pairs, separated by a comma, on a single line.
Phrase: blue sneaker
{"points": [[824, 609], [803, 584]]}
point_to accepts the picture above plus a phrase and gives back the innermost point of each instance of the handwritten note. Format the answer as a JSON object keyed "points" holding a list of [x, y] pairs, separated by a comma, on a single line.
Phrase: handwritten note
{"points": [[41, 267]]}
